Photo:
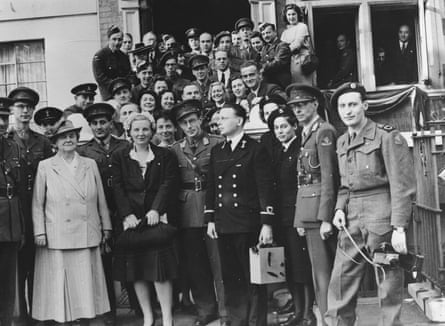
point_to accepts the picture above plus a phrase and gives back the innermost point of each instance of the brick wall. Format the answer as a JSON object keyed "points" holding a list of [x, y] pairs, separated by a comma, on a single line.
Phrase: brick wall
{"points": [[108, 14]]}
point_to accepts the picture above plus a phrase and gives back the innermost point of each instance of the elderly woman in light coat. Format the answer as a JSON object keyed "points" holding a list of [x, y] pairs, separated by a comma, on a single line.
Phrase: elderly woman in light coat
{"points": [[71, 220]]}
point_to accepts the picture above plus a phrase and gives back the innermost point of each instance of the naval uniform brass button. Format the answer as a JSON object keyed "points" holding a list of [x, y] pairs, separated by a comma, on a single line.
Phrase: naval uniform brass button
{"points": [[220, 177], [235, 204], [235, 195], [220, 195], [220, 205], [234, 176], [234, 185], [219, 186]]}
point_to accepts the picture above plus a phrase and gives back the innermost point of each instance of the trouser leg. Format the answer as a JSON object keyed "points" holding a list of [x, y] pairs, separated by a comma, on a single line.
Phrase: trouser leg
{"points": [[246, 304], [107, 261], [347, 275], [26, 257], [199, 271], [215, 264], [8, 266], [321, 254]]}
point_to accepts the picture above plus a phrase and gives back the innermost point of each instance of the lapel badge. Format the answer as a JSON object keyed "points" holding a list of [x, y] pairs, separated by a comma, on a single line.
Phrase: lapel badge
{"points": [[243, 143]]}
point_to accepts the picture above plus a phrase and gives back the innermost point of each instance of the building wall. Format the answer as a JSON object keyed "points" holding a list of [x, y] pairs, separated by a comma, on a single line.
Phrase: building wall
{"points": [[70, 30], [109, 14]]}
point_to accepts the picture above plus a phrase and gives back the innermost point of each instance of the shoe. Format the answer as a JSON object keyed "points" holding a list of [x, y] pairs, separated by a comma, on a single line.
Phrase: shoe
{"points": [[202, 321], [293, 320], [288, 307]]}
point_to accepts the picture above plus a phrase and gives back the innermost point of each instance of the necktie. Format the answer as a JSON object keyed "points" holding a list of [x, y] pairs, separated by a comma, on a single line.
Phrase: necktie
{"points": [[223, 78], [229, 145]]}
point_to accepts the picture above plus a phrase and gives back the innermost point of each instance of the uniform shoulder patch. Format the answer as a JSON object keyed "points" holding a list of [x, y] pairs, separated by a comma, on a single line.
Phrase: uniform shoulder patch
{"points": [[385, 127], [326, 141]]}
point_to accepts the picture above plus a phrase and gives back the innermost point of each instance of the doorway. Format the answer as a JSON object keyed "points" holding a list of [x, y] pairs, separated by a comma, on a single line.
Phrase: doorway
{"points": [[176, 16]]}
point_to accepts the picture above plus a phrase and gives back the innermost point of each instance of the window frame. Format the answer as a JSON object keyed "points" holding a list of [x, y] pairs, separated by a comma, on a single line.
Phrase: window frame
{"points": [[363, 32], [7, 84]]}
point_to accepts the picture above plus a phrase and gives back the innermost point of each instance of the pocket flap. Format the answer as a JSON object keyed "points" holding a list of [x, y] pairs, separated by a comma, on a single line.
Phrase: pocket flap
{"points": [[310, 191]]}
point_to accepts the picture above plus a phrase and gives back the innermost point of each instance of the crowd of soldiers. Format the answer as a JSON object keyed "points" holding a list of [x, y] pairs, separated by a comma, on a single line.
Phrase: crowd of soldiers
{"points": [[300, 186]]}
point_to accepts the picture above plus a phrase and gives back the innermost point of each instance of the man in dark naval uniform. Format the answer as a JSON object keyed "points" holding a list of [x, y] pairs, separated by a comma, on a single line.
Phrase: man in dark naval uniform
{"points": [[110, 62], [83, 96], [239, 211], [11, 218], [100, 149], [34, 147], [193, 153]]}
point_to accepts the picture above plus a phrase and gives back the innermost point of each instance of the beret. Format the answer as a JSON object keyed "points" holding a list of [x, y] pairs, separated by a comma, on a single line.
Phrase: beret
{"points": [[350, 87]]}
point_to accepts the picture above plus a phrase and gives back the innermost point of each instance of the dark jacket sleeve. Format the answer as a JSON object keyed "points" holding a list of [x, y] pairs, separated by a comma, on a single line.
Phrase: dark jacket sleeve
{"points": [[280, 61], [99, 68], [209, 208], [264, 180], [326, 148], [169, 186], [124, 207]]}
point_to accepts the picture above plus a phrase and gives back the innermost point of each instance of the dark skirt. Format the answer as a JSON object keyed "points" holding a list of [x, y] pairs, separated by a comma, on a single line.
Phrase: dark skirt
{"points": [[298, 265], [153, 264]]}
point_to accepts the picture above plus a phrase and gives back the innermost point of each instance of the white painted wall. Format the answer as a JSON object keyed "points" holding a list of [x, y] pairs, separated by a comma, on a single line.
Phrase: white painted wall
{"points": [[70, 30]]}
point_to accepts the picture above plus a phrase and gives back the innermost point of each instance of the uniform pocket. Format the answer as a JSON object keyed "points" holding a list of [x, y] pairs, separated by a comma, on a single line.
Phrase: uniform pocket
{"points": [[308, 203]]}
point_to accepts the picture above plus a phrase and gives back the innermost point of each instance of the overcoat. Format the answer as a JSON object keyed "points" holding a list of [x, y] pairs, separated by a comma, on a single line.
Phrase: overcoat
{"points": [[70, 209]]}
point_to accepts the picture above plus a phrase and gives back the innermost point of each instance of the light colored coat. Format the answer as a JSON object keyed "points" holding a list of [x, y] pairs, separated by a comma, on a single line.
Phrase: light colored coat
{"points": [[70, 210]]}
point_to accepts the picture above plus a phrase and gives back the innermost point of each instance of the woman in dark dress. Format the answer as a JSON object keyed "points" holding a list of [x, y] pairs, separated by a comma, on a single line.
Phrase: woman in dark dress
{"points": [[145, 182], [283, 124]]}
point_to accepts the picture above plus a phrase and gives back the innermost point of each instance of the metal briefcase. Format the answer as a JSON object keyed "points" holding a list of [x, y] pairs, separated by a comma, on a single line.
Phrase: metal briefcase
{"points": [[267, 265]]}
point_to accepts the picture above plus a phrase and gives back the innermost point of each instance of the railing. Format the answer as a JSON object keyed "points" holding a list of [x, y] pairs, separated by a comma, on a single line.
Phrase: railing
{"points": [[429, 223]]}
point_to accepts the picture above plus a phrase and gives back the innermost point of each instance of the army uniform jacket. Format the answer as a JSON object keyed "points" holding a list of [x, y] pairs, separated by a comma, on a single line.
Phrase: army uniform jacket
{"points": [[377, 161], [108, 65], [193, 166], [317, 176], [275, 58], [11, 218], [102, 156], [240, 187]]}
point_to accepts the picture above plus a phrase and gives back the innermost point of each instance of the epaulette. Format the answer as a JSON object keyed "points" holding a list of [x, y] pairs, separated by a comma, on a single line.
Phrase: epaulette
{"points": [[181, 142], [387, 128]]}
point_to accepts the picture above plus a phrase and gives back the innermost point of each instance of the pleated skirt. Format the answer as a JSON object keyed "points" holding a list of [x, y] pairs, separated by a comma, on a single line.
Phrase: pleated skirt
{"points": [[69, 285]]}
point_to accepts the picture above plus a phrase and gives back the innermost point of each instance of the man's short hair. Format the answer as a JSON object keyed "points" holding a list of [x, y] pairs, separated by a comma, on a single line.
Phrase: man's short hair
{"points": [[249, 63], [257, 34], [238, 109]]}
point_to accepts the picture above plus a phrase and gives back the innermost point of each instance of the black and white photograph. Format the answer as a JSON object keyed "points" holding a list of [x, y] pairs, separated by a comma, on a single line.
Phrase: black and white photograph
{"points": [[222, 162]]}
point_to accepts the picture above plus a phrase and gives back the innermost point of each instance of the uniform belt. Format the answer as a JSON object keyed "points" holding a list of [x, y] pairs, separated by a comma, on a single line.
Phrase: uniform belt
{"points": [[197, 186], [368, 192], [305, 180], [8, 192]]}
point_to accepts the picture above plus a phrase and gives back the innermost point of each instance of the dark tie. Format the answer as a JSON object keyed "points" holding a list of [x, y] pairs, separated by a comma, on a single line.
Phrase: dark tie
{"points": [[352, 137], [404, 45], [223, 78], [229, 145]]}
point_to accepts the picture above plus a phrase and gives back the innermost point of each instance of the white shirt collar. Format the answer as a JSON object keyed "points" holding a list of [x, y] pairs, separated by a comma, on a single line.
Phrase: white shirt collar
{"points": [[142, 163], [235, 140], [288, 143]]}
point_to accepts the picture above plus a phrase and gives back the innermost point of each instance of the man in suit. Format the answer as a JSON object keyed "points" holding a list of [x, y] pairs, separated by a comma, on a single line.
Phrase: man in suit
{"points": [[169, 63], [193, 153], [100, 149], [374, 204], [34, 148], [403, 58], [317, 186], [222, 71], [239, 211], [110, 62], [275, 57], [251, 76], [11, 220]]}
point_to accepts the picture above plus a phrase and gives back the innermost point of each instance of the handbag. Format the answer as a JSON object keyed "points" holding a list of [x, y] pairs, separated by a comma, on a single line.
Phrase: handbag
{"points": [[267, 264], [311, 61], [145, 236]]}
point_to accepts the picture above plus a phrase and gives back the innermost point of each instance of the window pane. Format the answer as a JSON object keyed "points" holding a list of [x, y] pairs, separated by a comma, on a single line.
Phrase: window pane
{"points": [[7, 74], [335, 42], [30, 72], [394, 42], [30, 51]]}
